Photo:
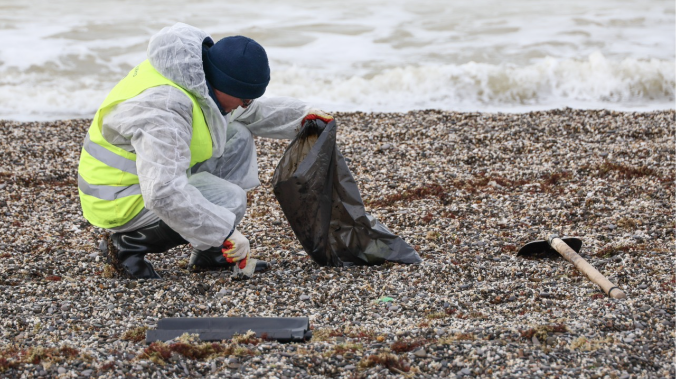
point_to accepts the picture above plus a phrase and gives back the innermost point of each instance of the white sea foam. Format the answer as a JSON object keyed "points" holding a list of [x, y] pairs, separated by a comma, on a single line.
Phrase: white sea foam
{"points": [[475, 86], [59, 61]]}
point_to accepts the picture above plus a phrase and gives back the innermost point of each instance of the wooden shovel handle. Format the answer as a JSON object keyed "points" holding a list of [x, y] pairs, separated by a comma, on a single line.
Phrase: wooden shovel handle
{"points": [[587, 269]]}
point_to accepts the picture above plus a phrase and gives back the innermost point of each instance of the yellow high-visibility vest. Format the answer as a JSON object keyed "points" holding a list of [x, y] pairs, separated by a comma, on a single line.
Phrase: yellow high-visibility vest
{"points": [[108, 184]]}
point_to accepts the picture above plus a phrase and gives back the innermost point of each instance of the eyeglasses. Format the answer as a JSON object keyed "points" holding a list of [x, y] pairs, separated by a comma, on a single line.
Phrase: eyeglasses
{"points": [[246, 102]]}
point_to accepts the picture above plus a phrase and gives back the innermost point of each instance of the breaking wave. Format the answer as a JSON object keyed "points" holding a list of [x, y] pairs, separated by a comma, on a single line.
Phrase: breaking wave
{"points": [[595, 82]]}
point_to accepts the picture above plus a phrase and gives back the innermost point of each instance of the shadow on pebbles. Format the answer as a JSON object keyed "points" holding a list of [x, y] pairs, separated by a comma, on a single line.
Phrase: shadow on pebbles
{"points": [[465, 189]]}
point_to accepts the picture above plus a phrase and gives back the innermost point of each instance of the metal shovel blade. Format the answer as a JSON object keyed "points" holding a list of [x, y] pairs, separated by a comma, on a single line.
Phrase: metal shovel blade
{"points": [[542, 248]]}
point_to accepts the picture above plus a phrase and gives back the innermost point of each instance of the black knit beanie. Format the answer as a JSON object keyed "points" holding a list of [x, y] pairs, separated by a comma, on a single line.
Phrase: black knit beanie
{"points": [[237, 66]]}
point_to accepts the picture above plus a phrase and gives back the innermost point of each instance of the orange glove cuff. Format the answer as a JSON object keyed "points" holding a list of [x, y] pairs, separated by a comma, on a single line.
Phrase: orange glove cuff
{"points": [[317, 115]]}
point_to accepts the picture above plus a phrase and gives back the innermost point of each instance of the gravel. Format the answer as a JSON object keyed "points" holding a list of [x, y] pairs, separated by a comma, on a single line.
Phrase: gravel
{"points": [[465, 189]]}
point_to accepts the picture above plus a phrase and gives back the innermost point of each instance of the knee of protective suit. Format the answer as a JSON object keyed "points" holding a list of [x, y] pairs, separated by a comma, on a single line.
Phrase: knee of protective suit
{"points": [[238, 163], [221, 192], [237, 131], [240, 207]]}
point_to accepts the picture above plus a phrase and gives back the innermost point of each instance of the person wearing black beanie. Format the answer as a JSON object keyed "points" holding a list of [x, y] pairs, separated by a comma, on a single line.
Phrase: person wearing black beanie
{"points": [[237, 70], [170, 153]]}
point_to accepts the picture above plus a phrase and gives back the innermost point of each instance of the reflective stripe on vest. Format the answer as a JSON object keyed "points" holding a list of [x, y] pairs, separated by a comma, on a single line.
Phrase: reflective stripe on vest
{"points": [[104, 155], [108, 182], [109, 193]]}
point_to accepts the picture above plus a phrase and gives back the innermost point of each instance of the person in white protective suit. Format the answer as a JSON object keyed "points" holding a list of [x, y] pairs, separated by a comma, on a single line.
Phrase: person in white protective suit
{"points": [[170, 153]]}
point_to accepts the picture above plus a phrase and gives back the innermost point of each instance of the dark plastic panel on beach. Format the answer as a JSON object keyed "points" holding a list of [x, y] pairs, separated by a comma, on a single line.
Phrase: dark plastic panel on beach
{"points": [[282, 329], [322, 203]]}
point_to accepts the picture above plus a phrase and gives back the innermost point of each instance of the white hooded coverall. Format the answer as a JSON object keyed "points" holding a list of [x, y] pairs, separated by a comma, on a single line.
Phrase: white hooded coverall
{"points": [[203, 204]]}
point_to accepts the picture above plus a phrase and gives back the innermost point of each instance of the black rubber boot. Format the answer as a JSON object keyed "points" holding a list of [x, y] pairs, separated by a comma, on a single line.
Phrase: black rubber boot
{"points": [[130, 248], [213, 260]]}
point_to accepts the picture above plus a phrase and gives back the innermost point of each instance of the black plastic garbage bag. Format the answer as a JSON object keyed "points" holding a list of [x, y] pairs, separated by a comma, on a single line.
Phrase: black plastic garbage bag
{"points": [[321, 201]]}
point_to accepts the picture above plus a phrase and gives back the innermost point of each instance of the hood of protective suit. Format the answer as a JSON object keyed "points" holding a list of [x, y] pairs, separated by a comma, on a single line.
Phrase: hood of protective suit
{"points": [[176, 53]]}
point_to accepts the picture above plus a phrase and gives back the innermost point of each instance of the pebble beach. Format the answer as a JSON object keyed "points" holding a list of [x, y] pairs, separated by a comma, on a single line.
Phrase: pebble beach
{"points": [[466, 190]]}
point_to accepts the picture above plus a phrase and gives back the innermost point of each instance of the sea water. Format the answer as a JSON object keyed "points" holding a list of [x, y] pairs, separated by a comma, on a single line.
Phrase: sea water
{"points": [[58, 59]]}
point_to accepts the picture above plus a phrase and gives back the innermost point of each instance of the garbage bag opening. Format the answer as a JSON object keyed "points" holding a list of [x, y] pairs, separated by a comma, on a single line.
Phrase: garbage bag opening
{"points": [[322, 203]]}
